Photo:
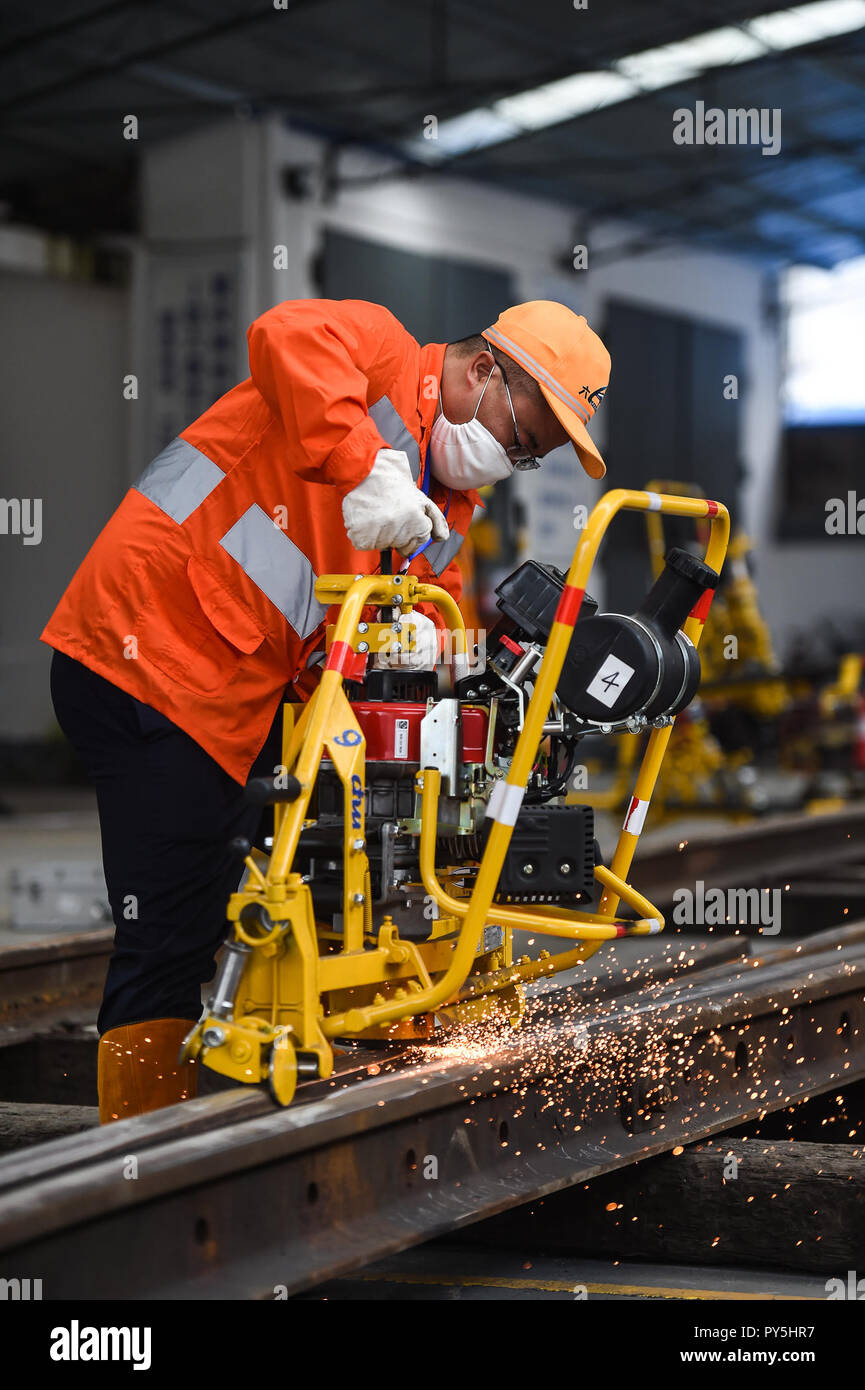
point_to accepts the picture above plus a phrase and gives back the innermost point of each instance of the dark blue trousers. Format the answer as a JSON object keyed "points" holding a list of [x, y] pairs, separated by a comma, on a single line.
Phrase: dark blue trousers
{"points": [[167, 812]]}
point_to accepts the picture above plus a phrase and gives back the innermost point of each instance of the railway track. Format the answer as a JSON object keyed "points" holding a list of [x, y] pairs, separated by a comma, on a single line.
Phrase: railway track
{"points": [[228, 1197]]}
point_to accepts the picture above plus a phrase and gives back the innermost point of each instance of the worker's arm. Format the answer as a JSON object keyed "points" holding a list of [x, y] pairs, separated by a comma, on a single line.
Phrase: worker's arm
{"points": [[311, 361]]}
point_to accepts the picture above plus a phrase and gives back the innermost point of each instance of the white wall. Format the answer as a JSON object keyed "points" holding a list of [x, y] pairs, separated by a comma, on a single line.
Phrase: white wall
{"points": [[64, 440]]}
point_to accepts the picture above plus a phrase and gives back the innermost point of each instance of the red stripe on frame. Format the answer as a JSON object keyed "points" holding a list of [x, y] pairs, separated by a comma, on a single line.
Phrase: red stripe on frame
{"points": [[357, 669], [569, 605], [711, 508], [340, 657], [700, 611]]}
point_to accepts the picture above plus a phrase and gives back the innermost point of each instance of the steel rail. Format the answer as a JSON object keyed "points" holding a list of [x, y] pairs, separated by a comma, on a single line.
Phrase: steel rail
{"points": [[229, 1198], [752, 854], [243, 1103], [34, 973]]}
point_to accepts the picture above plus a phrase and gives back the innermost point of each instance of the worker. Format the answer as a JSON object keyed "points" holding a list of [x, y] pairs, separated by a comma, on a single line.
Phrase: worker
{"points": [[193, 616]]}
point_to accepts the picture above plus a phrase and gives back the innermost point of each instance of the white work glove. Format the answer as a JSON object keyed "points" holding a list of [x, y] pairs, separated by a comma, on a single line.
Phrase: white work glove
{"points": [[389, 511], [424, 656]]}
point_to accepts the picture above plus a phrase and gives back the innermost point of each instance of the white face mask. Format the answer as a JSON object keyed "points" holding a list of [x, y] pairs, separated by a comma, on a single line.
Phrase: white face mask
{"points": [[467, 455]]}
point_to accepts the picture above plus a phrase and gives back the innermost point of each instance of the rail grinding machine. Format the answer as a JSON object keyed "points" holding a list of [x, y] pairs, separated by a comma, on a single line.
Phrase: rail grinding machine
{"points": [[413, 834]]}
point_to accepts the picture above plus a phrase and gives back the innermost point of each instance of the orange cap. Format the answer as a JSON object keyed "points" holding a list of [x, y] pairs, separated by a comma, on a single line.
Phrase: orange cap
{"points": [[567, 360]]}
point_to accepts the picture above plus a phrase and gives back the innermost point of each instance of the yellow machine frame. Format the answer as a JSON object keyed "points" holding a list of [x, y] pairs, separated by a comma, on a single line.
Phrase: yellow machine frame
{"points": [[301, 985]]}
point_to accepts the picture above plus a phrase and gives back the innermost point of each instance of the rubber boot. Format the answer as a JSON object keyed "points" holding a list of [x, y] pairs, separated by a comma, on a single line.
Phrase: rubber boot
{"points": [[138, 1068]]}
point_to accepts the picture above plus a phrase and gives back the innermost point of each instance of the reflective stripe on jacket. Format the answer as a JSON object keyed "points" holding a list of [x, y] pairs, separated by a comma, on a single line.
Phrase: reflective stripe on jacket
{"points": [[197, 596]]}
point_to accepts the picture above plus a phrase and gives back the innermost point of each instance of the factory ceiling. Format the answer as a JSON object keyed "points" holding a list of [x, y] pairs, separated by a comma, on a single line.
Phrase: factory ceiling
{"points": [[571, 104]]}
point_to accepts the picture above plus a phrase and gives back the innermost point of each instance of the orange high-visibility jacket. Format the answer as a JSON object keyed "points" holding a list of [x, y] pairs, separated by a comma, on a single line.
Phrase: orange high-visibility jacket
{"points": [[197, 596]]}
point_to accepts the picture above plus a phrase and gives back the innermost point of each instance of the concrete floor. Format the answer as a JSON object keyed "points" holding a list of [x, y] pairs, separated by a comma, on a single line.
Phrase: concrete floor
{"points": [[441, 1273], [46, 825]]}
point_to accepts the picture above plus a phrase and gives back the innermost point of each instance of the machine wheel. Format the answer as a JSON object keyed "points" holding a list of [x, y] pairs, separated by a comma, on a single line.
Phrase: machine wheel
{"points": [[282, 1070]]}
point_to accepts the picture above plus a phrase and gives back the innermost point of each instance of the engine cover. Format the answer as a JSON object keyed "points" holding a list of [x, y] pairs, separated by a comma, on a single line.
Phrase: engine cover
{"points": [[392, 730]]}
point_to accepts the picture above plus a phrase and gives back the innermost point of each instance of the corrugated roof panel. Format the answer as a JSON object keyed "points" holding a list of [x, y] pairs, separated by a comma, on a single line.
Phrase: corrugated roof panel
{"points": [[374, 74]]}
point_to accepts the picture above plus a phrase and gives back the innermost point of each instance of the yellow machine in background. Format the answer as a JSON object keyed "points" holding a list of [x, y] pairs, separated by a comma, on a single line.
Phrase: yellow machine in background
{"points": [[735, 612], [739, 665], [363, 923]]}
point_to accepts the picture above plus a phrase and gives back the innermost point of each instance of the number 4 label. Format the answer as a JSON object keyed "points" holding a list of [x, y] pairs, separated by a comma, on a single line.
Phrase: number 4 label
{"points": [[609, 681]]}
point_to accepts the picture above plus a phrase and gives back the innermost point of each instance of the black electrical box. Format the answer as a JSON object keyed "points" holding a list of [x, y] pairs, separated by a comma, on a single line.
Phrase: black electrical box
{"points": [[551, 855]]}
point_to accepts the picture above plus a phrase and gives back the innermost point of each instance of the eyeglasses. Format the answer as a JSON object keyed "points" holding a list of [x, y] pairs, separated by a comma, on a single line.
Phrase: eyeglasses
{"points": [[517, 453]]}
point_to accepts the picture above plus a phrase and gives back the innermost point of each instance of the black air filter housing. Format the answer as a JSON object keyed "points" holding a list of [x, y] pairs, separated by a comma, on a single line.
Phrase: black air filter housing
{"points": [[530, 597]]}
